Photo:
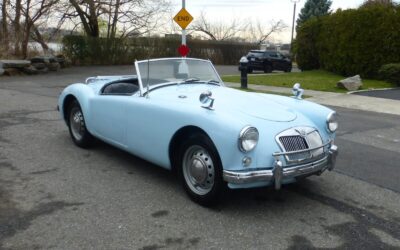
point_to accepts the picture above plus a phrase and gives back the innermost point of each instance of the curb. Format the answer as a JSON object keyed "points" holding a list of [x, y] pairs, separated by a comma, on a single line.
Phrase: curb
{"points": [[368, 90]]}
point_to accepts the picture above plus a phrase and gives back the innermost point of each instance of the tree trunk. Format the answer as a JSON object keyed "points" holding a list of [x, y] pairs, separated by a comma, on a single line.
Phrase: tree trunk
{"points": [[115, 19], [27, 30], [109, 19], [93, 21], [17, 28], [39, 38], [5, 24]]}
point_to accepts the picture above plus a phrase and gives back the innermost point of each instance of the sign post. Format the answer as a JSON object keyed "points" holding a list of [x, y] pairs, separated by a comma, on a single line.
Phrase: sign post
{"points": [[184, 29], [183, 19]]}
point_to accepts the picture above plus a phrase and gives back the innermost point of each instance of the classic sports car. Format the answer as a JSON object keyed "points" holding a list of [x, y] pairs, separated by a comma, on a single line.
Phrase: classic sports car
{"points": [[177, 113]]}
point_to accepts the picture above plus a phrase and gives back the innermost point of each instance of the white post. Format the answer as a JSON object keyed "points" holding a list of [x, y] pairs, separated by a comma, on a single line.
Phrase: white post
{"points": [[183, 30]]}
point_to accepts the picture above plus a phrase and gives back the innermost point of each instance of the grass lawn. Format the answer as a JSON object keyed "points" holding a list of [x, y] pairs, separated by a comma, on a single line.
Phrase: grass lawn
{"points": [[315, 80]]}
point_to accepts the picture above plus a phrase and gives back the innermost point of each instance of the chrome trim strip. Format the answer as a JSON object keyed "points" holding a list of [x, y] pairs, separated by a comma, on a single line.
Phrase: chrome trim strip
{"points": [[301, 151], [170, 58], [139, 77], [216, 72], [103, 78]]}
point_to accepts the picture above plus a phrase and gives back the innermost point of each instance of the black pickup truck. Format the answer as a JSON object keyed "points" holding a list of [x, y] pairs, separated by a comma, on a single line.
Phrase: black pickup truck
{"points": [[268, 61]]}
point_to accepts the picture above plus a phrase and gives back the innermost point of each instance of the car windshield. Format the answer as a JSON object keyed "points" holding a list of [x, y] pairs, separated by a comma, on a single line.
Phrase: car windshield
{"points": [[176, 70], [255, 53]]}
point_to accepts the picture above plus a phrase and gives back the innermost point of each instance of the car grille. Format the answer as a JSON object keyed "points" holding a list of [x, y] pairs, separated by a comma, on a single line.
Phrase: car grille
{"points": [[293, 143], [292, 140]]}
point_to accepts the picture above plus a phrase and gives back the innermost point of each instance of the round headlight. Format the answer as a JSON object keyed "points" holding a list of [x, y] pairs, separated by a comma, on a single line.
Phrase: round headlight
{"points": [[331, 122], [248, 139]]}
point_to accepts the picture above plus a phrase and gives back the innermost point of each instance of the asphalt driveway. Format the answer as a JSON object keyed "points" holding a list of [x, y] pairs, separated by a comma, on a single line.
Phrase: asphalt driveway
{"points": [[393, 94]]}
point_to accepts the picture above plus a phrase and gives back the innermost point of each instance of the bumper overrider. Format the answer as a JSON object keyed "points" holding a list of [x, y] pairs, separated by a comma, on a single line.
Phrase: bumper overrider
{"points": [[279, 172]]}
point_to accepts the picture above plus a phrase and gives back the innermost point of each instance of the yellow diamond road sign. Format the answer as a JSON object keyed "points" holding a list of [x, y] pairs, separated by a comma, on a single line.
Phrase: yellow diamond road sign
{"points": [[183, 18]]}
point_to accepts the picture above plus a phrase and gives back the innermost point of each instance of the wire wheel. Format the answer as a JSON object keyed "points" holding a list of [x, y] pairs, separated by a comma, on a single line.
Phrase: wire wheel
{"points": [[198, 170]]}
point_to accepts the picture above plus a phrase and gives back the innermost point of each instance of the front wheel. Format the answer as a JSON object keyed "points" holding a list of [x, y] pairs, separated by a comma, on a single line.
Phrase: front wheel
{"points": [[200, 170], [77, 127]]}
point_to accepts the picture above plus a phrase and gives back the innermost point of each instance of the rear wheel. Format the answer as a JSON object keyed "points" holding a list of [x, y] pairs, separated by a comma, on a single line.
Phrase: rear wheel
{"points": [[77, 127], [267, 69], [201, 170]]}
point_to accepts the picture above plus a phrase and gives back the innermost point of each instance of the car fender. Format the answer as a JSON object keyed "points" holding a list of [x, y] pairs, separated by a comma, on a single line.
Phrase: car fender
{"points": [[82, 93]]}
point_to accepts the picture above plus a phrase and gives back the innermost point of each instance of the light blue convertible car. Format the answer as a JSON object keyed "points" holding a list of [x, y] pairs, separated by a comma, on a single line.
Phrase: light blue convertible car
{"points": [[177, 113]]}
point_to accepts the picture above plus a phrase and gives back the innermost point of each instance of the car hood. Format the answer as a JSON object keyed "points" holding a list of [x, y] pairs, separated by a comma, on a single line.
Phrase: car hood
{"points": [[231, 100]]}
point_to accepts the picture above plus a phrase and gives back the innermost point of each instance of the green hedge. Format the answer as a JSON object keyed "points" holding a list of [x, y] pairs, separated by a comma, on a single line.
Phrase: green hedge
{"points": [[390, 72], [355, 41], [83, 50]]}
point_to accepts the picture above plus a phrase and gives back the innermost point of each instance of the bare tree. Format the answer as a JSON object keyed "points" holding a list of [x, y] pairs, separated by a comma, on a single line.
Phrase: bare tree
{"points": [[33, 10], [121, 18], [125, 17], [137, 17], [261, 32], [219, 30], [88, 12], [237, 29]]}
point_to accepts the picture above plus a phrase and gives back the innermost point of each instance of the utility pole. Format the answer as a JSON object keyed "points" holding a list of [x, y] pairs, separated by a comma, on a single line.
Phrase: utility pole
{"points": [[294, 16]]}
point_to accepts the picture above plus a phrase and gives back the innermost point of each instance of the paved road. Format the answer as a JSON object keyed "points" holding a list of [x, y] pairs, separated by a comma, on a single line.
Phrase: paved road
{"points": [[55, 195], [387, 94]]}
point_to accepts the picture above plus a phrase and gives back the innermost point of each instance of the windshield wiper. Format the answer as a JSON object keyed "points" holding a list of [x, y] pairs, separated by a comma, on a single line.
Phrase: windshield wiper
{"points": [[215, 82], [193, 79]]}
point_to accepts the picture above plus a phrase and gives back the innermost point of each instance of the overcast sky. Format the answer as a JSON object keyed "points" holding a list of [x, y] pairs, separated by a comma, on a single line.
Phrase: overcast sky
{"points": [[264, 10]]}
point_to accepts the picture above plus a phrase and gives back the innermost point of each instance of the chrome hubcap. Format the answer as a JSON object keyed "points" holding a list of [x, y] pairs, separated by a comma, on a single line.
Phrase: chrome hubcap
{"points": [[77, 123], [198, 170]]}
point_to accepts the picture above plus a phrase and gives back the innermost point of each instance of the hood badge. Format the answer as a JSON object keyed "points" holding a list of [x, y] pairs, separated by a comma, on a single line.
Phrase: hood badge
{"points": [[182, 96], [297, 91], [302, 133], [206, 98]]}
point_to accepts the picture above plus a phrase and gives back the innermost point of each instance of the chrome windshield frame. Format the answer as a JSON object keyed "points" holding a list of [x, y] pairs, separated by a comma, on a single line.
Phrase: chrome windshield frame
{"points": [[141, 86]]}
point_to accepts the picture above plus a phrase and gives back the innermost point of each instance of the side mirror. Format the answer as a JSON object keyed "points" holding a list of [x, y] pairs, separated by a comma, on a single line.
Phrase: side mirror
{"points": [[204, 98], [297, 91]]}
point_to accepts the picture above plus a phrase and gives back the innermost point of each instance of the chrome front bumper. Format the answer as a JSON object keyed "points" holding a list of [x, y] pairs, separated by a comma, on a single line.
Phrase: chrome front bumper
{"points": [[279, 173]]}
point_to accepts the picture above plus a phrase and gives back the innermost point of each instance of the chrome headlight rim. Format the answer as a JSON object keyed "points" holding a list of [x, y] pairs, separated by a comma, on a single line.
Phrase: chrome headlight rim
{"points": [[331, 122], [242, 138]]}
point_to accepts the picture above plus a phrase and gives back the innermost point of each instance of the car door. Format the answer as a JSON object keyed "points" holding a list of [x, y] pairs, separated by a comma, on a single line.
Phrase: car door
{"points": [[108, 117], [282, 63], [273, 57]]}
